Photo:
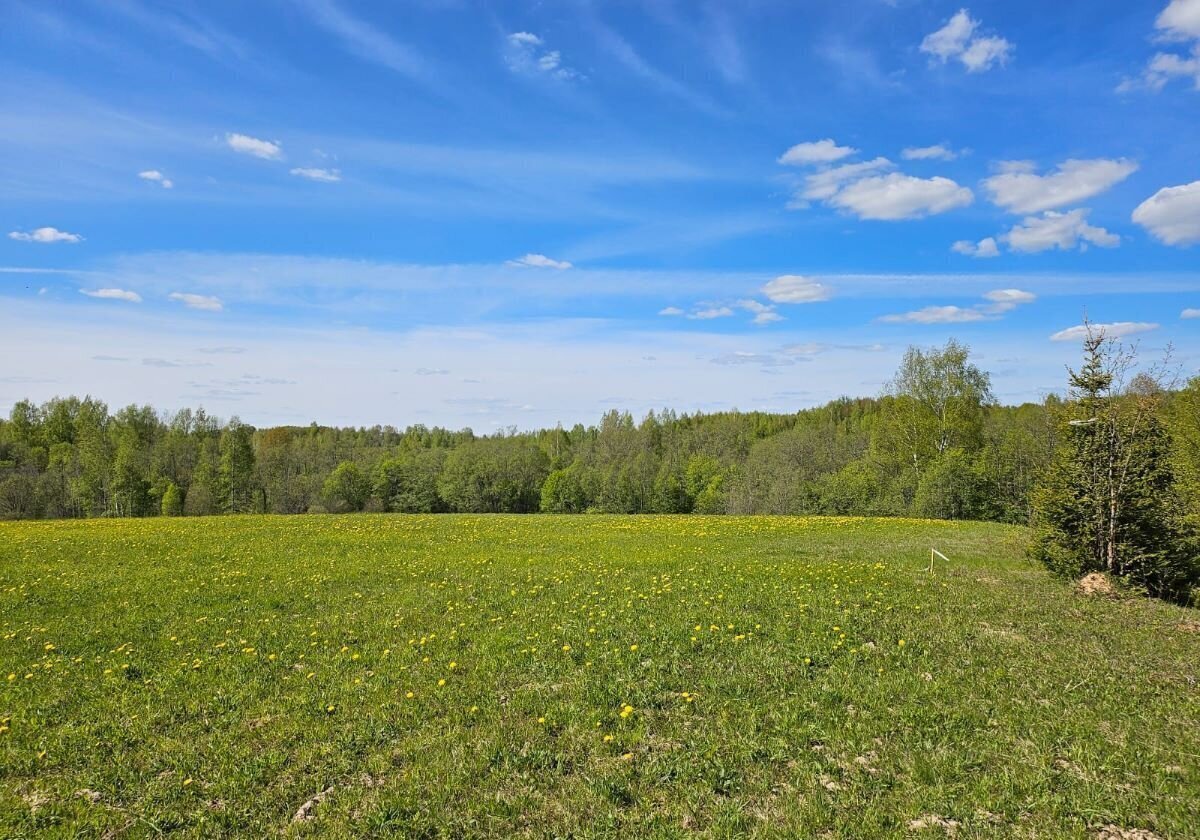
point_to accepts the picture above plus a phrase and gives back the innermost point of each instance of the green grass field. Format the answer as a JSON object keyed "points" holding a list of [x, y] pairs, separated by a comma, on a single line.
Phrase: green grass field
{"points": [[579, 676]]}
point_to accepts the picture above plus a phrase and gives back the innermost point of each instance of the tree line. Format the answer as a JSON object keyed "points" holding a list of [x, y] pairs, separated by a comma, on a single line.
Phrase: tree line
{"points": [[936, 444]]}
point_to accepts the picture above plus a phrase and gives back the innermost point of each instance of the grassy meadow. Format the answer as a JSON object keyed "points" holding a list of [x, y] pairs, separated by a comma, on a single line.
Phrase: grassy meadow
{"points": [[586, 676]]}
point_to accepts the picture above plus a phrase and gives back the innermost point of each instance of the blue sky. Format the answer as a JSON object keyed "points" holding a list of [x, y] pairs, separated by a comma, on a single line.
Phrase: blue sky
{"points": [[486, 214]]}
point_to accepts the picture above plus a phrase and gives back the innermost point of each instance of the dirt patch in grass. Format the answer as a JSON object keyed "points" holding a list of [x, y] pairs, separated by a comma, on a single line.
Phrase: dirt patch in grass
{"points": [[929, 821], [1113, 832], [305, 812], [1097, 585]]}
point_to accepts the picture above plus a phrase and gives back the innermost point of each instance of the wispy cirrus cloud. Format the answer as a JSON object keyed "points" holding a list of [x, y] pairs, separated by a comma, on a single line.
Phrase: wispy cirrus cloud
{"points": [[368, 43]]}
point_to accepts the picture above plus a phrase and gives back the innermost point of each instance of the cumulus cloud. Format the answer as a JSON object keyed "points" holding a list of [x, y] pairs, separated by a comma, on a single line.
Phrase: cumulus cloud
{"points": [[670, 311], [795, 288], [998, 302], [824, 185], [45, 236], [157, 177], [113, 294], [1180, 19], [897, 196], [763, 313], [265, 149], [864, 190], [526, 54], [1119, 329], [206, 303], [1019, 189], [816, 151], [1190, 313], [1179, 22], [1172, 214], [327, 176], [957, 40], [538, 261], [1065, 231], [938, 152], [984, 249]]}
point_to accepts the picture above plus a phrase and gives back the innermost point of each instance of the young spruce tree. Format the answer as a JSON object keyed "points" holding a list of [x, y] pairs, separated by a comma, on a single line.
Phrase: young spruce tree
{"points": [[1109, 501]]}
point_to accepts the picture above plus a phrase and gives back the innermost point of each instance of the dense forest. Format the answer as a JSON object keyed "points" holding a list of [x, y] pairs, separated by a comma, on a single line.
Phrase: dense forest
{"points": [[935, 444]]}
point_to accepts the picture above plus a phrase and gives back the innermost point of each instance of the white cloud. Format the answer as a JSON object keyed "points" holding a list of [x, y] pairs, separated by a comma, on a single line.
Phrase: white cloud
{"points": [[1064, 231], [999, 302], [897, 196], [952, 38], [823, 185], [710, 313], [984, 249], [265, 149], [1119, 329], [45, 236], [982, 53], [1180, 22], [936, 315], [794, 288], [763, 313], [113, 294], [670, 311], [938, 152], [1172, 214], [1190, 313], [525, 55], [327, 176], [156, 176], [538, 261], [1180, 19], [957, 40], [1019, 189], [817, 151], [191, 301], [1010, 298]]}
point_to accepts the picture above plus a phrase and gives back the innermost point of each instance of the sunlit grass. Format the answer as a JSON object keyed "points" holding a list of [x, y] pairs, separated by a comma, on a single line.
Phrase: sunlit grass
{"points": [[594, 676]]}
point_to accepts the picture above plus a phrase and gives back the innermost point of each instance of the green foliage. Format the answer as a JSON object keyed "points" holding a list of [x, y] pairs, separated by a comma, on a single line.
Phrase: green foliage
{"points": [[1110, 501], [408, 482], [953, 487], [172, 500], [347, 489], [496, 475], [938, 404], [236, 473], [936, 445]]}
